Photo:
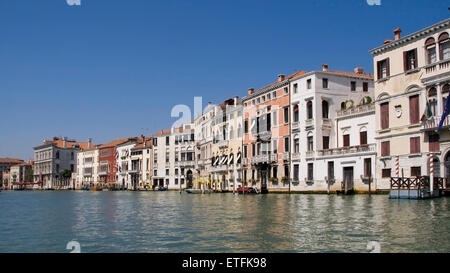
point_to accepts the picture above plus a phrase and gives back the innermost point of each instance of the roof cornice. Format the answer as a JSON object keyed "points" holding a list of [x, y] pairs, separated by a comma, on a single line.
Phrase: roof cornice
{"points": [[411, 37]]}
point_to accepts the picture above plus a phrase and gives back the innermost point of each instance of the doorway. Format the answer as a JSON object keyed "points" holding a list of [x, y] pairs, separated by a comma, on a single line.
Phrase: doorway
{"points": [[348, 180]]}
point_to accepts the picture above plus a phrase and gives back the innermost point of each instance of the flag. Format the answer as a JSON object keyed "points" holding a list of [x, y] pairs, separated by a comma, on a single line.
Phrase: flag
{"points": [[445, 114], [427, 113]]}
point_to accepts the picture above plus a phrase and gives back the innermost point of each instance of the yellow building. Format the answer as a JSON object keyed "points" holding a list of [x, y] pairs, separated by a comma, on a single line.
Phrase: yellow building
{"points": [[410, 72]]}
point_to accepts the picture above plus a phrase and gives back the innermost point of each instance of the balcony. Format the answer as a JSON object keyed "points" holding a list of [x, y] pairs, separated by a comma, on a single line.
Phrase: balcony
{"points": [[220, 168], [135, 169], [326, 123], [185, 163], [368, 148], [309, 123], [264, 159], [103, 172], [310, 154], [433, 122], [296, 126], [285, 156], [244, 161], [356, 110], [437, 68], [223, 144], [295, 156], [264, 136]]}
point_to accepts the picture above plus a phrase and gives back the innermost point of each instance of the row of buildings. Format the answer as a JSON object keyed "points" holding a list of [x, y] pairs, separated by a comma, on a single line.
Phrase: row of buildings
{"points": [[315, 131]]}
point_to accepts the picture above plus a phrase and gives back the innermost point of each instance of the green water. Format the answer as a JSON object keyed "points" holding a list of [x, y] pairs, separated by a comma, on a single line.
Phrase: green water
{"points": [[170, 222]]}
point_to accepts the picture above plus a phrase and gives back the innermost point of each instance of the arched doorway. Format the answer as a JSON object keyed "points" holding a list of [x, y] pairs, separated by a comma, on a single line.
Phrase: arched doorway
{"points": [[447, 165], [189, 179]]}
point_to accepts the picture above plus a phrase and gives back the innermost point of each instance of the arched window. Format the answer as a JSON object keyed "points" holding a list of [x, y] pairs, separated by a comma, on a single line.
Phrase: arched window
{"points": [[343, 105], [446, 88], [324, 109], [444, 46], [309, 110], [432, 100], [432, 92], [430, 50], [296, 113]]}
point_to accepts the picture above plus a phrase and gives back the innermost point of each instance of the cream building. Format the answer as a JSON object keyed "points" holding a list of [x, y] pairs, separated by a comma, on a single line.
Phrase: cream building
{"points": [[204, 142], [226, 161], [141, 164], [410, 71], [87, 171]]}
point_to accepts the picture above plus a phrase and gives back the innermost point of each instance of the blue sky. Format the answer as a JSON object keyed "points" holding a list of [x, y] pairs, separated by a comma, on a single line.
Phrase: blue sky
{"points": [[115, 68]]}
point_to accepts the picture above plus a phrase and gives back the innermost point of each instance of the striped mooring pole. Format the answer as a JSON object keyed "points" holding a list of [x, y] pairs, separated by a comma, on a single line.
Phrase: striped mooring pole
{"points": [[396, 167], [431, 175]]}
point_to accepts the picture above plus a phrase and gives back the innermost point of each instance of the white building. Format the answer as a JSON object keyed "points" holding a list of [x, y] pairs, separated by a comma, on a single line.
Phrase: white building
{"points": [[123, 164], [331, 130], [87, 169]]}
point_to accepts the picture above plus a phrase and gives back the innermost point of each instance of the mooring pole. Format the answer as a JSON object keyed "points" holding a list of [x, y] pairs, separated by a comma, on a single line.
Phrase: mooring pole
{"points": [[431, 176]]}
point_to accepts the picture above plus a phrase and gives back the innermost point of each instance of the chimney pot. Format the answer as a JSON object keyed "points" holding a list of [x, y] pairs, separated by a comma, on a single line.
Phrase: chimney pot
{"points": [[325, 67], [250, 91], [397, 32], [387, 41], [281, 77], [89, 143], [359, 70], [65, 142]]}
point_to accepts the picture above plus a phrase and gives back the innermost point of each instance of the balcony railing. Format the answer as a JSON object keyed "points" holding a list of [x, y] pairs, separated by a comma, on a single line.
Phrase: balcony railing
{"points": [[326, 122], [285, 156], [309, 123], [296, 156], [433, 122], [295, 126], [223, 143], [348, 150], [356, 110], [260, 159], [135, 169], [310, 154], [437, 67], [185, 163]]}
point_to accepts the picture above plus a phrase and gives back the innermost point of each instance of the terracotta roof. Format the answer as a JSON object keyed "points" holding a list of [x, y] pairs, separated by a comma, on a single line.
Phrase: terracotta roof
{"points": [[296, 74], [146, 144], [345, 73], [116, 142], [163, 132], [70, 144], [10, 160]]}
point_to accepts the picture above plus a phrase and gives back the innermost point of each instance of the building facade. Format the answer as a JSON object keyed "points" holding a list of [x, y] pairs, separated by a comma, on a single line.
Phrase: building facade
{"points": [[5, 165], [53, 157], [411, 87], [331, 130], [87, 168]]}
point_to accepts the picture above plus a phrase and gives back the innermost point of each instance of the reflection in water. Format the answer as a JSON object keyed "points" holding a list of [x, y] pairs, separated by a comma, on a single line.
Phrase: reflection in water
{"points": [[170, 222]]}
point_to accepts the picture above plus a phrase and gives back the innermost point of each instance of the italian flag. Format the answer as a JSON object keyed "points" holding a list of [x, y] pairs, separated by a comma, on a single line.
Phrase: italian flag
{"points": [[427, 113]]}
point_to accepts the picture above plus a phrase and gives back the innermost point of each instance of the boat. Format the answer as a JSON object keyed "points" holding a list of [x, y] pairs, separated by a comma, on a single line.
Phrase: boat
{"points": [[193, 190], [247, 190], [162, 189]]}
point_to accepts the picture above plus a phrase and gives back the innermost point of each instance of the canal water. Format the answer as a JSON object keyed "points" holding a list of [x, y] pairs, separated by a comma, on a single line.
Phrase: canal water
{"points": [[170, 222]]}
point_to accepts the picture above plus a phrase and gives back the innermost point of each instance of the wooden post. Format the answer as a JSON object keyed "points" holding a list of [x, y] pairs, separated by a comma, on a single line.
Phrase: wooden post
{"points": [[370, 181]]}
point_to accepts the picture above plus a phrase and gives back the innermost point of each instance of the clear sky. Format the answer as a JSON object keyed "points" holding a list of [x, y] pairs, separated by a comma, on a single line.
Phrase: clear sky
{"points": [[115, 68]]}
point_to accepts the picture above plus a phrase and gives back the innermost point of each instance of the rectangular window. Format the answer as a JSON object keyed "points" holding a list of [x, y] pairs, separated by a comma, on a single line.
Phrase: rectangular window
{"points": [[433, 142], [286, 144], [274, 94], [384, 115], [167, 140], [326, 142], [346, 139], [308, 84], [275, 146], [296, 172], [275, 118], [176, 181], [385, 148], [310, 143], [431, 54], [363, 138], [245, 155], [286, 114], [330, 169], [386, 173], [275, 171], [410, 59], [414, 145], [295, 88], [367, 167], [253, 149], [286, 90], [296, 145], [415, 171], [414, 109], [383, 69], [310, 171], [246, 126], [286, 170], [353, 86], [325, 83], [365, 87], [167, 171]]}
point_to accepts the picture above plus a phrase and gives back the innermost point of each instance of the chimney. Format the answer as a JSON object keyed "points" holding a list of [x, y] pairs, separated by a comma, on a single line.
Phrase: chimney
{"points": [[65, 142], [359, 70], [250, 91], [387, 41], [235, 100], [397, 32], [281, 77], [89, 143], [325, 67]]}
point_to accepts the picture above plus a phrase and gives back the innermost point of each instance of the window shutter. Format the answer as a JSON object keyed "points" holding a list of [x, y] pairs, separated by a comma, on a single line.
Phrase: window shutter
{"points": [[405, 60], [378, 70], [387, 68], [384, 119], [414, 109], [363, 138], [415, 57]]}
